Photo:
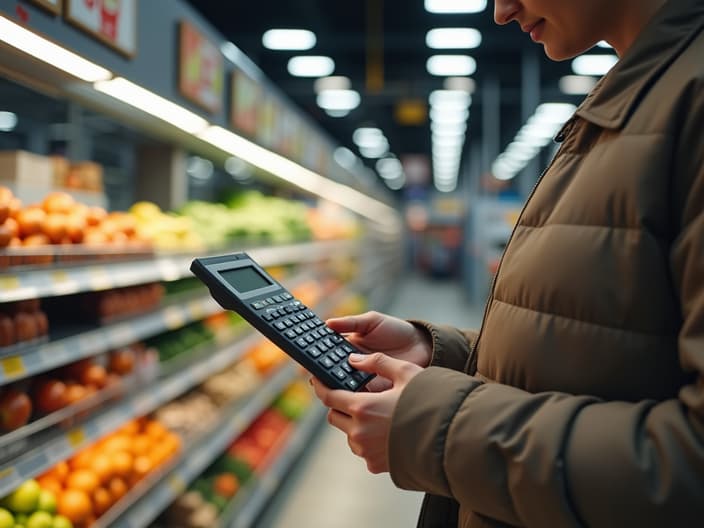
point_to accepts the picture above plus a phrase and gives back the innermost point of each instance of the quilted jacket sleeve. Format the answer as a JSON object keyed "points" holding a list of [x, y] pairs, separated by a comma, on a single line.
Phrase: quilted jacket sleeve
{"points": [[451, 347], [554, 459]]}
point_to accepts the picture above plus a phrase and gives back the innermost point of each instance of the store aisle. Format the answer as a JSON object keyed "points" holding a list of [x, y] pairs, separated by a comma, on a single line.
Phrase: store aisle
{"points": [[330, 487]]}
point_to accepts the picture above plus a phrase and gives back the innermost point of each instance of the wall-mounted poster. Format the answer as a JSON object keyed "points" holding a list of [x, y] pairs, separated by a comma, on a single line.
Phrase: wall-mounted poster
{"points": [[200, 73], [53, 6], [113, 22], [246, 96]]}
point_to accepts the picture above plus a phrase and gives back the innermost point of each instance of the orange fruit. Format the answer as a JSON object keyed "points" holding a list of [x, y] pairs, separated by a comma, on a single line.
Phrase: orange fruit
{"points": [[122, 462], [130, 428], [75, 504], [141, 444], [119, 442], [142, 465], [117, 488], [102, 500], [83, 479], [61, 470], [102, 466], [49, 482], [155, 430], [81, 460]]}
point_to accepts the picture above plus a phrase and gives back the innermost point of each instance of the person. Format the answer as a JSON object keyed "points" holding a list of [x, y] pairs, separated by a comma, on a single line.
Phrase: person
{"points": [[580, 401]]}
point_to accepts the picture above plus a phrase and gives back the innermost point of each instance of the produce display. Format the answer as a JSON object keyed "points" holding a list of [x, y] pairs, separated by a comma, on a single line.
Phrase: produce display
{"points": [[90, 482], [60, 220], [31, 506], [51, 391], [22, 322], [206, 498]]}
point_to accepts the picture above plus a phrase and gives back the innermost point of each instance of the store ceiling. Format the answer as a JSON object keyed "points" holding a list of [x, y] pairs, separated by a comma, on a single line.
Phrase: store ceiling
{"points": [[342, 30]]}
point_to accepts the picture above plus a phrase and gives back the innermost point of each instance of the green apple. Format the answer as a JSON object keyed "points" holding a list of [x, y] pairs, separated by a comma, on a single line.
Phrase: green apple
{"points": [[61, 522], [21, 518], [46, 502], [24, 499], [6, 519], [40, 519]]}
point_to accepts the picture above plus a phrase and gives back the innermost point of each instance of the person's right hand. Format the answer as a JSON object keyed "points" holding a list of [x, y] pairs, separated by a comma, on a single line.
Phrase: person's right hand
{"points": [[377, 332]]}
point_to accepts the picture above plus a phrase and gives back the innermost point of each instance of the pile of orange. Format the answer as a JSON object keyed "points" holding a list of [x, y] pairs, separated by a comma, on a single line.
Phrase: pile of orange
{"points": [[94, 479]]}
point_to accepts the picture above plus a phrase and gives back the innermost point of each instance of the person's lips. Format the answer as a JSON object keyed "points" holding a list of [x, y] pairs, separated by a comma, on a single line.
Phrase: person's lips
{"points": [[534, 29]]}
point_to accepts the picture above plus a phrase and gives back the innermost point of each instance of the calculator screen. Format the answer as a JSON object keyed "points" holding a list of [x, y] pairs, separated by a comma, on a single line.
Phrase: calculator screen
{"points": [[245, 279]]}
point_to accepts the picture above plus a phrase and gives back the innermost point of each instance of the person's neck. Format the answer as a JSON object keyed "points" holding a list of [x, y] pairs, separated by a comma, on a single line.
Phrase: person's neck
{"points": [[633, 16]]}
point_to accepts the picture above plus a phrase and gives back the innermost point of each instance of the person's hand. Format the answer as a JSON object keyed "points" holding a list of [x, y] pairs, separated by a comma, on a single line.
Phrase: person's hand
{"points": [[365, 417], [376, 332]]}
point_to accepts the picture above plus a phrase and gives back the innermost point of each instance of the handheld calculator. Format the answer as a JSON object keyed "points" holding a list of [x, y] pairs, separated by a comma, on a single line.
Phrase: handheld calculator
{"points": [[239, 284]]}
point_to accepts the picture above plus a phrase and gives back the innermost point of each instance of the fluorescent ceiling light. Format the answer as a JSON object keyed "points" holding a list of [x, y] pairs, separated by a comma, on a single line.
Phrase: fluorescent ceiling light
{"points": [[311, 66], [577, 84], [455, 6], [451, 65], [389, 168], [396, 184], [448, 128], [368, 137], [336, 82], [288, 39], [46, 51], [375, 152], [453, 38], [450, 100], [153, 104], [446, 188], [338, 100], [450, 117], [465, 84], [553, 113], [8, 121], [345, 158], [298, 175], [593, 64], [337, 113]]}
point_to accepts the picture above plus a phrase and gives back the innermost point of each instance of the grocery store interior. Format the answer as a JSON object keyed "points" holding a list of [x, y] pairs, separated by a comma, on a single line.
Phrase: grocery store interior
{"points": [[367, 155]]}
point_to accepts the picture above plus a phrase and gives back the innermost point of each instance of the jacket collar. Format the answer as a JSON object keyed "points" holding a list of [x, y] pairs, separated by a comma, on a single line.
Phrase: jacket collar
{"points": [[671, 29]]}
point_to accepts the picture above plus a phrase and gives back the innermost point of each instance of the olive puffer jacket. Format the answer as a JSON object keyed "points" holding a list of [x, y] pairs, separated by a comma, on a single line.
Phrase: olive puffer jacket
{"points": [[581, 400]]}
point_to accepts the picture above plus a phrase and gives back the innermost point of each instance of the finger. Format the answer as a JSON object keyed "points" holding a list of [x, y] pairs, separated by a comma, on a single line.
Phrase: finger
{"points": [[340, 400], [359, 324], [340, 420], [379, 384], [385, 366]]}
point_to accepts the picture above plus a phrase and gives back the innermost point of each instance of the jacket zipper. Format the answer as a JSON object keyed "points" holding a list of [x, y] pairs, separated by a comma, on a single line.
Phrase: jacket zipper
{"points": [[471, 365]]}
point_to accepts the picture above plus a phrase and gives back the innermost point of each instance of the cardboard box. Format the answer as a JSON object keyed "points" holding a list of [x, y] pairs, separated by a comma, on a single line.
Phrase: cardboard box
{"points": [[24, 168]]}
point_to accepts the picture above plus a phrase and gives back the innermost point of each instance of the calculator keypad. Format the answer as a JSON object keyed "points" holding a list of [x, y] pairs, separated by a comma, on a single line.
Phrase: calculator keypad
{"points": [[301, 326]]}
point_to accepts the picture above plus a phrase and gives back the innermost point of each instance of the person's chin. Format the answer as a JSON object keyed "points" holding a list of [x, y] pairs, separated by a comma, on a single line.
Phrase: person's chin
{"points": [[558, 52]]}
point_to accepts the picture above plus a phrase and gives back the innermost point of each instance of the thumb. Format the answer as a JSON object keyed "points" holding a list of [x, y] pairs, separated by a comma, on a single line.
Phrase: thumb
{"points": [[381, 364], [359, 324]]}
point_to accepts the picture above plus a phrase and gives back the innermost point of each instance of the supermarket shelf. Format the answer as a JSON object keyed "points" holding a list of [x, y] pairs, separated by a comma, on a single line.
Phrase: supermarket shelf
{"points": [[250, 501], [146, 505], [179, 312], [36, 283], [40, 457]]}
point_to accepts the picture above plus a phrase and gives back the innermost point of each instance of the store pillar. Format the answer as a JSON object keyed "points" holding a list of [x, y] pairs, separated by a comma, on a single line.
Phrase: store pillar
{"points": [[161, 176]]}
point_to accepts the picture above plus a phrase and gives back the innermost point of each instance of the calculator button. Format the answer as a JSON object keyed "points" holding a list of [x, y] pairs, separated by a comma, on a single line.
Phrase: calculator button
{"points": [[258, 305], [317, 321], [309, 314], [352, 384], [290, 334], [315, 334], [278, 298], [280, 325], [302, 342], [267, 317], [339, 373], [299, 330], [288, 323], [322, 347], [328, 342], [326, 362], [332, 357], [340, 353], [306, 327], [310, 339], [347, 348], [346, 367], [314, 352], [336, 338], [286, 296]]}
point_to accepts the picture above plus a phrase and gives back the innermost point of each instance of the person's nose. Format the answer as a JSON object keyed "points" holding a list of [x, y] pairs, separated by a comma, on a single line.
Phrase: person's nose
{"points": [[505, 11]]}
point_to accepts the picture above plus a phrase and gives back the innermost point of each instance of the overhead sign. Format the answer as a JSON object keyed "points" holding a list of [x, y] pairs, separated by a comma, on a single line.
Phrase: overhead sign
{"points": [[113, 22], [201, 71]]}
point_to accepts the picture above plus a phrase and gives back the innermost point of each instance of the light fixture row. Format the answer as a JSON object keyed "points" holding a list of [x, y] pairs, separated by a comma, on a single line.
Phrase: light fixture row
{"points": [[134, 95]]}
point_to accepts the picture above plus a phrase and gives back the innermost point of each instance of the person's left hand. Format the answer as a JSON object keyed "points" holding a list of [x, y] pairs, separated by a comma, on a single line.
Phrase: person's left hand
{"points": [[365, 417]]}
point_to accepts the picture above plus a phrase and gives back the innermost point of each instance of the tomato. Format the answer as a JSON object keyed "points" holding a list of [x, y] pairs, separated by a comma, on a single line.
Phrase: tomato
{"points": [[50, 395], [15, 409]]}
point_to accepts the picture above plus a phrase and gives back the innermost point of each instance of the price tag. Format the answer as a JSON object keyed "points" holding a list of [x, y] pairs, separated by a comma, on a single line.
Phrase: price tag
{"points": [[173, 318], [13, 366], [59, 276], [99, 279], [9, 282], [196, 310], [9, 479], [76, 437], [176, 484]]}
